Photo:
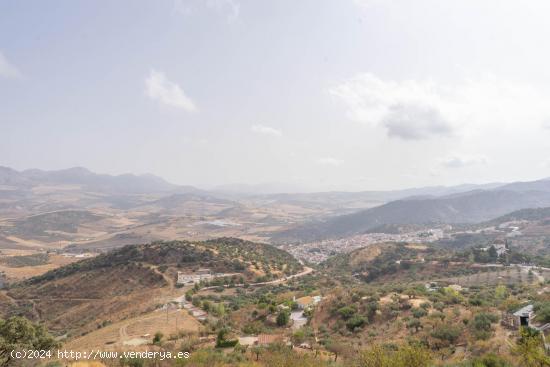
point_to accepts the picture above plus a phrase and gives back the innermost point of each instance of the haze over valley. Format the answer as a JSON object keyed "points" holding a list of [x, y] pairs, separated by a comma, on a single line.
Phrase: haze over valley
{"points": [[255, 183]]}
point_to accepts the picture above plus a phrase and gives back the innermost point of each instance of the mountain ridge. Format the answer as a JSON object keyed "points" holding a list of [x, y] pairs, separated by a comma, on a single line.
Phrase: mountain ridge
{"points": [[469, 207]]}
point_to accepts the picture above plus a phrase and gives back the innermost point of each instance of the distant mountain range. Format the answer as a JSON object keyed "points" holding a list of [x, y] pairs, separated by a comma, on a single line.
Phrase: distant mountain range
{"points": [[290, 217], [463, 207], [22, 188], [126, 183]]}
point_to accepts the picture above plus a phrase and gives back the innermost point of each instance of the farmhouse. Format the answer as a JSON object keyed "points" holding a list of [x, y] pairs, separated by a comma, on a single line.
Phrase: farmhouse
{"points": [[522, 317], [307, 302], [196, 277], [199, 275]]}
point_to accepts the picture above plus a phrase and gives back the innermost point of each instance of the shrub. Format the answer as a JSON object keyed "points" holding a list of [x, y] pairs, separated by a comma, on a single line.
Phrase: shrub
{"points": [[355, 322], [437, 315], [419, 312], [445, 332], [490, 360], [157, 338], [347, 312], [402, 356], [414, 324], [481, 325], [223, 342]]}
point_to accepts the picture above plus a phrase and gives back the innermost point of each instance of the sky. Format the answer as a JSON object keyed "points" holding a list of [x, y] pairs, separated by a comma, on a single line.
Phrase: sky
{"points": [[313, 94]]}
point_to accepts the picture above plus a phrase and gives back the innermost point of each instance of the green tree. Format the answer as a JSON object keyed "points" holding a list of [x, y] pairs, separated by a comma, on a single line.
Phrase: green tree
{"points": [[257, 350], [530, 349], [355, 322], [157, 338], [347, 312], [282, 318], [447, 332], [543, 311], [481, 325], [18, 333], [414, 324], [419, 312], [371, 309], [222, 341]]}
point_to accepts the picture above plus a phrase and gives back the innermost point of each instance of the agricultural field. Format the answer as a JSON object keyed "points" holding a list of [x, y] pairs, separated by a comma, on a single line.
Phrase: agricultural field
{"points": [[137, 331]]}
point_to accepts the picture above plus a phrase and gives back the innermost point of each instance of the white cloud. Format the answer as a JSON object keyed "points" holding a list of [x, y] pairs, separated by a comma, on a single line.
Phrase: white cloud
{"points": [[265, 130], [421, 109], [8, 70], [461, 161], [330, 161], [160, 89], [414, 122]]}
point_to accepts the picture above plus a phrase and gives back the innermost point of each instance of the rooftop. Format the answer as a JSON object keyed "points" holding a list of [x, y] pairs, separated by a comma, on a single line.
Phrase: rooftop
{"points": [[524, 311], [305, 301]]}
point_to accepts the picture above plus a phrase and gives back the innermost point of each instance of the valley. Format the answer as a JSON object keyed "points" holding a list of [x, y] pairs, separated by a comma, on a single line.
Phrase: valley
{"points": [[235, 277]]}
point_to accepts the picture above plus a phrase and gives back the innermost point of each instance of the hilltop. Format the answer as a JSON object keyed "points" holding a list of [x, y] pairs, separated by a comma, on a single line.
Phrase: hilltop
{"points": [[387, 262], [133, 279]]}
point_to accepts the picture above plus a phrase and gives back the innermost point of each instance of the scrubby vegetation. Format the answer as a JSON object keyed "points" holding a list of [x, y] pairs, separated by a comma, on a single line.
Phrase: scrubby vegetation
{"points": [[25, 260], [53, 224], [224, 255]]}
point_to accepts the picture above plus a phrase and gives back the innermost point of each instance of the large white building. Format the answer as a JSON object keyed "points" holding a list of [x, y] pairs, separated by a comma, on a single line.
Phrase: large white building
{"points": [[196, 277]]}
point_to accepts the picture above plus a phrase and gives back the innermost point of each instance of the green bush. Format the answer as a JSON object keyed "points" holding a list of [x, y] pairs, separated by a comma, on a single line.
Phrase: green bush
{"points": [[446, 332], [283, 318], [347, 312], [356, 321], [419, 312]]}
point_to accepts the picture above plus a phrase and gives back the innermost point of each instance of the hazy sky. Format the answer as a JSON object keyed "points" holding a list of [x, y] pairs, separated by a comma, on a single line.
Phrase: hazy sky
{"points": [[337, 94]]}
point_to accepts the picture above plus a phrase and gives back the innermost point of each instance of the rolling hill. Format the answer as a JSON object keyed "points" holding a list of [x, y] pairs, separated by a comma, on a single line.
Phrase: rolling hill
{"points": [[132, 280]]}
